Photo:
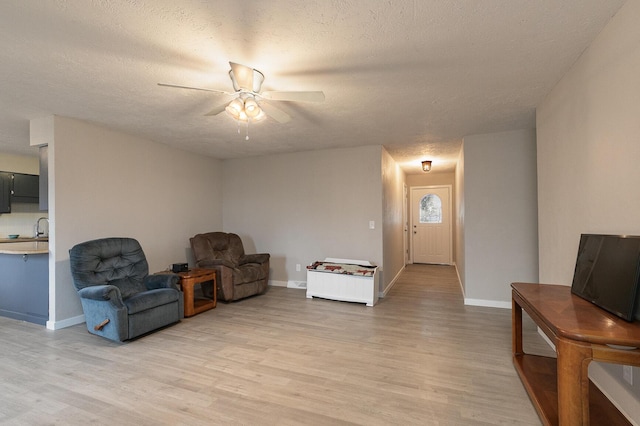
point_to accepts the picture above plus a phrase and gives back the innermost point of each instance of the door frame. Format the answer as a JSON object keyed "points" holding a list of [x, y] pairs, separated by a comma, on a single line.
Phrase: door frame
{"points": [[450, 188], [406, 257]]}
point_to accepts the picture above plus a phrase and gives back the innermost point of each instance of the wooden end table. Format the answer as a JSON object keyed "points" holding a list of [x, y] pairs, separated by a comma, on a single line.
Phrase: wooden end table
{"points": [[188, 280], [560, 389]]}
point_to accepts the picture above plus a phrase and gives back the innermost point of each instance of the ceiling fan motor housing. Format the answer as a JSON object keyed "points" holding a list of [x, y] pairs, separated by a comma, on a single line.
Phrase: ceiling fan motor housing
{"points": [[245, 78]]}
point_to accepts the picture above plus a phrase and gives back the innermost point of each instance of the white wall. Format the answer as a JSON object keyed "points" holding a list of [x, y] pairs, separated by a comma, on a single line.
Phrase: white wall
{"points": [[306, 206], [431, 178], [459, 218], [500, 215], [392, 227], [105, 183], [588, 153], [20, 163]]}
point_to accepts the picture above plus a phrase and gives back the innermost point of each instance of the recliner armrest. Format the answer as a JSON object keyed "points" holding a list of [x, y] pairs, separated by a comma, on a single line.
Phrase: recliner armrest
{"points": [[162, 280], [109, 293], [254, 258], [215, 262]]}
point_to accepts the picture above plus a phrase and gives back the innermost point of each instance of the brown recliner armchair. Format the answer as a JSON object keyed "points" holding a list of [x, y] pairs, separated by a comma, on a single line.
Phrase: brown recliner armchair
{"points": [[238, 275]]}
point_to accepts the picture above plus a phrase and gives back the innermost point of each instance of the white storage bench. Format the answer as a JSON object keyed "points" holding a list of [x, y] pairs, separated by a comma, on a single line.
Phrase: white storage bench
{"points": [[344, 280]]}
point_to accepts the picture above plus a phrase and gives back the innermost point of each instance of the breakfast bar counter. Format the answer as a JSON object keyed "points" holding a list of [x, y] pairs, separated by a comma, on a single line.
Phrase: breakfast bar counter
{"points": [[24, 281], [22, 239], [25, 247]]}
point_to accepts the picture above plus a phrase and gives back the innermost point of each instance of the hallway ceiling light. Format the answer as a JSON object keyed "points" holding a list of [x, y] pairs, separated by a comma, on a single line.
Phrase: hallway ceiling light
{"points": [[426, 165]]}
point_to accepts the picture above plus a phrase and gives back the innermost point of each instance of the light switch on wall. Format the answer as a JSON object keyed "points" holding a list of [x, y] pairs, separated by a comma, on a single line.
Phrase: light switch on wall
{"points": [[372, 224]]}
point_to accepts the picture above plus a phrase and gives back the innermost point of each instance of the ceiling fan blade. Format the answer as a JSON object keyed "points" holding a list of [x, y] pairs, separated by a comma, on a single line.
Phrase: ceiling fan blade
{"points": [[294, 96], [217, 110], [276, 113], [194, 88]]}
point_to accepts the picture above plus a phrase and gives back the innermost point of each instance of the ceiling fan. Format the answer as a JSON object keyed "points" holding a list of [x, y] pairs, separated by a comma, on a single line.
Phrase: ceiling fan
{"points": [[247, 103]]}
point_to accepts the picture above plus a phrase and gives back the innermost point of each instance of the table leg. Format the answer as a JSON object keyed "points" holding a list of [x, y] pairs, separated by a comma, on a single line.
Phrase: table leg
{"points": [[215, 291], [573, 382], [516, 327], [187, 288]]}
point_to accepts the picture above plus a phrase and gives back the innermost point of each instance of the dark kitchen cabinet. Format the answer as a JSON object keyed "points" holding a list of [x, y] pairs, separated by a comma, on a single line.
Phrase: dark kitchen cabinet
{"points": [[26, 188], [5, 192], [18, 188]]}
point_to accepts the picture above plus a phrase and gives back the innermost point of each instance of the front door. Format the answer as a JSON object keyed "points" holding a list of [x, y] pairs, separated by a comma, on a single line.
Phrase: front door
{"points": [[431, 224]]}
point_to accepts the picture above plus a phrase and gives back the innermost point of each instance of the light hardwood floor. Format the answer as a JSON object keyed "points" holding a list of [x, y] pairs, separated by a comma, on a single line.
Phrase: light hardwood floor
{"points": [[419, 357]]}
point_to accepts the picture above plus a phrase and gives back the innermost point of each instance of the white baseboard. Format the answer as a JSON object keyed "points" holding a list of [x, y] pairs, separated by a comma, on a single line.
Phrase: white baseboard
{"points": [[487, 303], [480, 302], [68, 322], [455, 266], [288, 284], [297, 284], [386, 290]]}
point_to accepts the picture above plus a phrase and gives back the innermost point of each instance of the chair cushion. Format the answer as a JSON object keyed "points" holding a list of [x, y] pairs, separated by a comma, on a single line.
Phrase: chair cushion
{"points": [[248, 273], [217, 245], [114, 261], [129, 285], [150, 299]]}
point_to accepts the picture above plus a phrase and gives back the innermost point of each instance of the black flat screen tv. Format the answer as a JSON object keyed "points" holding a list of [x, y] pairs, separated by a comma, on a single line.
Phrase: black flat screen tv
{"points": [[608, 273]]}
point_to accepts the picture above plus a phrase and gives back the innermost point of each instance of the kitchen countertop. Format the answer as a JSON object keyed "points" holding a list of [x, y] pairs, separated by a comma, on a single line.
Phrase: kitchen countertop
{"points": [[25, 247], [22, 239]]}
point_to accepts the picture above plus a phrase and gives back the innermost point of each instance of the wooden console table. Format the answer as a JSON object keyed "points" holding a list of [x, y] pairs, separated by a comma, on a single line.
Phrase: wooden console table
{"points": [[581, 332]]}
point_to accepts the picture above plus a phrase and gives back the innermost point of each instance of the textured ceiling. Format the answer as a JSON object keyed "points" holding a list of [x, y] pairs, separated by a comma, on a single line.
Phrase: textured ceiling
{"points": [[414, 76]]}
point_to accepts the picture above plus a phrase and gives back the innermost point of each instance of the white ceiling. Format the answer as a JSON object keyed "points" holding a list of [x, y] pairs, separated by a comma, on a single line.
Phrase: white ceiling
{"points": [[414, 76]]}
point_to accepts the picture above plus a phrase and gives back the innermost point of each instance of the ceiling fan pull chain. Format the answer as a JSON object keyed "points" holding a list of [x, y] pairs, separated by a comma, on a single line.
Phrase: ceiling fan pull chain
{"points": [[247, 137]]}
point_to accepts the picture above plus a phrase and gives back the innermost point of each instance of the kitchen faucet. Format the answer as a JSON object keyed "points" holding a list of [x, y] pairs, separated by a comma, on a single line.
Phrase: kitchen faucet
{"points": [[37, 231]]}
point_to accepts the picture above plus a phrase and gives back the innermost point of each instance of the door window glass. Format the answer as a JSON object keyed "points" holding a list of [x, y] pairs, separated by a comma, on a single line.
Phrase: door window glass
{"points": [[431, 209]]}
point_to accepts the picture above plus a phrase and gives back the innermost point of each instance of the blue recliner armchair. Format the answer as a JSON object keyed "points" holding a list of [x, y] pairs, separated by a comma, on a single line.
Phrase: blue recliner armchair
{"points": [[119, 298]]}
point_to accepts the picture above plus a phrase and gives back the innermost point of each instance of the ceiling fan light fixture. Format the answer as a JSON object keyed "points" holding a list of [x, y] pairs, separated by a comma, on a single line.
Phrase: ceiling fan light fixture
{"points": [[232, 112], [237, 105], [235, 108], [261, 115], [245, 109], [251, 107]]}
